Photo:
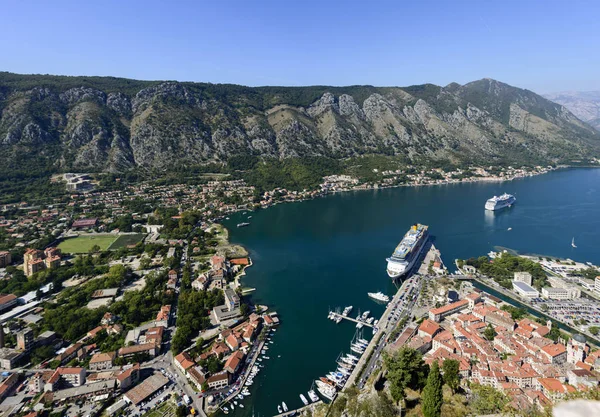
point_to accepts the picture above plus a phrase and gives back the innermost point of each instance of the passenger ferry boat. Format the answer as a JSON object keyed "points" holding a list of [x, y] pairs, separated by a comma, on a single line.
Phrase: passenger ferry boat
{"points": [[498, 203], [407, 251]]}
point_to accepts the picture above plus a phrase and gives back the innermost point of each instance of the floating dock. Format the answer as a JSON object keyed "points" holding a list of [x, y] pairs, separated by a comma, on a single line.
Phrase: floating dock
{"points": [[364, 323]]}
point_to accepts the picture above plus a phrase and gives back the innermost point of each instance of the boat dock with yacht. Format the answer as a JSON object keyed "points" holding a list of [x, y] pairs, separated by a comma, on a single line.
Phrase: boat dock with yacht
{"points": [[360, 320]]}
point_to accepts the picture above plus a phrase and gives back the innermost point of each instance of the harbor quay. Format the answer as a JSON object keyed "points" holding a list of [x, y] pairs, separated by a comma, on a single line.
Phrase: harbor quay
{"points": [[397, 310], [244, 377]]}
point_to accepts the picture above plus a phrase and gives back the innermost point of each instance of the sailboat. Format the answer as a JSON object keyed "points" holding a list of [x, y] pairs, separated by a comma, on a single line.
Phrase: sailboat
{"points": [[573, 243]]}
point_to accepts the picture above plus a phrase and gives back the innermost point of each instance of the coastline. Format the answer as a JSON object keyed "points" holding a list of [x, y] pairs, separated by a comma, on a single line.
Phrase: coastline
{"points": [[379, 186]]}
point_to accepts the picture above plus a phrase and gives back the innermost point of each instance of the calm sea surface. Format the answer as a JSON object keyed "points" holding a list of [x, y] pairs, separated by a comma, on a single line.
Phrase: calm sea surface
{"points": [[329, 252]]}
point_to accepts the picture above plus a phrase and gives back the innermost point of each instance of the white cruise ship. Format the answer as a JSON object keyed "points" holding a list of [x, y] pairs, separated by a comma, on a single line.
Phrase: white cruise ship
{"points": [[407, 251], [499, 202]]}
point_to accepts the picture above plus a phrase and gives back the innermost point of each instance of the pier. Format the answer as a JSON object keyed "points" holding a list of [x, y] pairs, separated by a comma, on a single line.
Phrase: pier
{"points": [[299, 410], [350, 318]]}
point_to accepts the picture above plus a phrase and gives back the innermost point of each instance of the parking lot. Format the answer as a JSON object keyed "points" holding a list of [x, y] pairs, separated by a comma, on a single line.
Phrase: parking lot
{"points": [[571, 310]]}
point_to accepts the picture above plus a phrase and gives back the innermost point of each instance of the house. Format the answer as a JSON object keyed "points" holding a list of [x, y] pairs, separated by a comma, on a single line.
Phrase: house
{"points": [[428, 328], [164, 316], [200, 283], [232, 364], [233, 342], [7, 301], [7, 384], [35, 260], [84, 223], [108, 319], [94, 332], [69, 377], [197, 376], [554, 353], [129, 376], [183, 362], [5, 259], [219, 380], [146, 348], [583, 377], [554, 389], [437, 314], [102, 361], [248, 335]]}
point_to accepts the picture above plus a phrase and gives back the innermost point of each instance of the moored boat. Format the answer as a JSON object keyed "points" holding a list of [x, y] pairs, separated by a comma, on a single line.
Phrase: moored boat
{"points": [[407, 252]]}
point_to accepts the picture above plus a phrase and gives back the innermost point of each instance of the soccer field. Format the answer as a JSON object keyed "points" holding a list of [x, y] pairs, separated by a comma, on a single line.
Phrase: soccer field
{"points": [[83, 244], [125, 240]]}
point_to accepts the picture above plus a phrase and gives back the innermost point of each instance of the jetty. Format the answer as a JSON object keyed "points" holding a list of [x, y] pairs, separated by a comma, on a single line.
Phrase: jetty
{"points": [[298, 411], [336, 315]]}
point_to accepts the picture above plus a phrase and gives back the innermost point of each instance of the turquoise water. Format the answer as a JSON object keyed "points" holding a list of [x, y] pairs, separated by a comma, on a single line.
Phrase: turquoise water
{"points": [[331, 251]]}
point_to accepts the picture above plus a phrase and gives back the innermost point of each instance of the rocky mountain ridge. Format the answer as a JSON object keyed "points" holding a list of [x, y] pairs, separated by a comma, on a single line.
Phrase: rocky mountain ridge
{"points": [[112, 124], [583, 104]]}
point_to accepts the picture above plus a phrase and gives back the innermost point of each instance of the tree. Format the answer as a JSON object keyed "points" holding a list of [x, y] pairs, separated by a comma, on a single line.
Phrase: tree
{"points": [[594, 330], [487, 400], [406, 369], [451, 374], [145, 263], [244, 309], [199, 342], [433, 397], [205, 386], [94, 249], [182, 411], [489, 333]]}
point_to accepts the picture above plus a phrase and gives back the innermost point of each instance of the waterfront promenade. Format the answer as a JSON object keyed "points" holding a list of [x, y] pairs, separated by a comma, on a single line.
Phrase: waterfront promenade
{"points": [[244, 377], [386, 325]]}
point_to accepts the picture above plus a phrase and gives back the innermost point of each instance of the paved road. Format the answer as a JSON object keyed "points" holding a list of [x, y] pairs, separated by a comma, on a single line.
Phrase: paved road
{"points": [[409, 289]]}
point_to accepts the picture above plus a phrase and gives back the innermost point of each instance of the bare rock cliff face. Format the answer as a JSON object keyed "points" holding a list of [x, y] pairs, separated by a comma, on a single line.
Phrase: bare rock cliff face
{"points": [[109, 124]]}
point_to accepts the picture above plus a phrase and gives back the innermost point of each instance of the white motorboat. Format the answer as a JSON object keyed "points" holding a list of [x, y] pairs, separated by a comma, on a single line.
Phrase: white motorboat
{"points": [[379, 296], [304, 400]]}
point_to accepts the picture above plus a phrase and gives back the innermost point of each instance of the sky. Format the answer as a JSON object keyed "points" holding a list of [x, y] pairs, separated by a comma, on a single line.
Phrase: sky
{"points": [[544, 46]]}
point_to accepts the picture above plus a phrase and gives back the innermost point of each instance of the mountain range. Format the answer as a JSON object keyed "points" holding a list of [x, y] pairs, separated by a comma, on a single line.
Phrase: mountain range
{"points": [[58, 123], [583, 104]]}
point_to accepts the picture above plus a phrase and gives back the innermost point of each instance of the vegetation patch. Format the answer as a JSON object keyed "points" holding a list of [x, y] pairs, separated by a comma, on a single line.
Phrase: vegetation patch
{"points": [[165, 410]]}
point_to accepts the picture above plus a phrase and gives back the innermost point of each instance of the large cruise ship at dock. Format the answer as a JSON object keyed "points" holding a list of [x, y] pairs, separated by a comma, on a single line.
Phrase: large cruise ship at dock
{"points": [[497, 203], [407, 251]]}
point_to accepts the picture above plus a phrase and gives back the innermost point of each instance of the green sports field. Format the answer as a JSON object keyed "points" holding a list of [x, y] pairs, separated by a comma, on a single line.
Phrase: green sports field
{"points": [[126, 240], [83, 244]]}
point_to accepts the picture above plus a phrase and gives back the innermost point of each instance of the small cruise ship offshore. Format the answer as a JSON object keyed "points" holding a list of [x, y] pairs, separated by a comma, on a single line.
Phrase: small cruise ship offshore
{"points": [[497, 203], [407, 252]]}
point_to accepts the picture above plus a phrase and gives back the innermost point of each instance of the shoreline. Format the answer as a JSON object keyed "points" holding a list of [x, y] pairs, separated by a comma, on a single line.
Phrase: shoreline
{"points": [[377, 186]]}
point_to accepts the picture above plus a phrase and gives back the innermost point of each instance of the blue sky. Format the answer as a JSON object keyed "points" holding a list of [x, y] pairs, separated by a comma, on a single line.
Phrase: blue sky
{"points": [[541, 45]]}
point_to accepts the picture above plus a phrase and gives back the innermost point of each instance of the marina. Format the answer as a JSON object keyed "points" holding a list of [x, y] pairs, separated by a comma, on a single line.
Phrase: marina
{"points": [[335, 260]]}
